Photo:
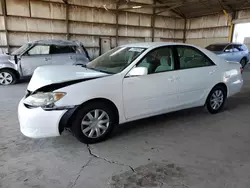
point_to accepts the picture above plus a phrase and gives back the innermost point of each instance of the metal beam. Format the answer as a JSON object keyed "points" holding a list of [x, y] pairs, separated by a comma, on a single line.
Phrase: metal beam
{"points": [[171, 8], [67, 18], [153, 23], [5, 24], [151, 6], [185, 31], [117, 23]]}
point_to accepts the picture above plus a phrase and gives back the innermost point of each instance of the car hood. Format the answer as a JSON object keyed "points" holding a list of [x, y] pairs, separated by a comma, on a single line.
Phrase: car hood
{"points": [[47, 75]]}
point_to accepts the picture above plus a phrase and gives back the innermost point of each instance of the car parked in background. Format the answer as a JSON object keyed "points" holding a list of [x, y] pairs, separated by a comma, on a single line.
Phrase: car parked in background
{"points": [[130, 82], [23, 61], [231, 52]]}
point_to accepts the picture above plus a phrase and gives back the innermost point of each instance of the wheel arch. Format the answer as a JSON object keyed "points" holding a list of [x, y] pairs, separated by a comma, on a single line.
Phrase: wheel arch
{"points": [[219, 84], [69, 116], [12, 70]]}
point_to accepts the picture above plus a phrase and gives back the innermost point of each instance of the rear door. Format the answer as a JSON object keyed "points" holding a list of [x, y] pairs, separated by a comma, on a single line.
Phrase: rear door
{"points": [[195, 75], [229, 53], [63, 54], [36, 56]]}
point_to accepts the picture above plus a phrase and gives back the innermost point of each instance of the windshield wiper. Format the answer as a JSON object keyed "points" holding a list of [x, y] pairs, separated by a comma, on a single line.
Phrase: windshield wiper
{"points": [[98, 70]]}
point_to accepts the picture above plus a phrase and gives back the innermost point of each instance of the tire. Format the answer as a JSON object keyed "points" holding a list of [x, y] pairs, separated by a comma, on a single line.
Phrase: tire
{"points": [[7, 77], [216, 99], [82, 123], [243, 62]]}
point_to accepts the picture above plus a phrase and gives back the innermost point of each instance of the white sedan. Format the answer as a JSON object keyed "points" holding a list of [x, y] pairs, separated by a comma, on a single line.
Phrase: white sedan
{"points": [[130, 82]]}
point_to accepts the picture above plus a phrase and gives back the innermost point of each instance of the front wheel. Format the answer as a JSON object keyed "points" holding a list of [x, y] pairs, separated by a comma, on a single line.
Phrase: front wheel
{"points": [[243, 62], [216, 99], [93, 123], [7, 77]]}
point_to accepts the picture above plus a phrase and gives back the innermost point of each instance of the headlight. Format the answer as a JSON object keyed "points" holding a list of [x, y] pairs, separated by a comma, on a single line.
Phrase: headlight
{"points": [[43, 99]]}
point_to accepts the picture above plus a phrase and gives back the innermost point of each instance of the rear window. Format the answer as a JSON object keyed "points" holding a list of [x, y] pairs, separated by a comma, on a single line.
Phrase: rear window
{"points": [[216, 47]]}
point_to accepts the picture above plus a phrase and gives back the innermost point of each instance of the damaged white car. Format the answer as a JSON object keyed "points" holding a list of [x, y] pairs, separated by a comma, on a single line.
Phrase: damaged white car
{"points": [[130, 82]]}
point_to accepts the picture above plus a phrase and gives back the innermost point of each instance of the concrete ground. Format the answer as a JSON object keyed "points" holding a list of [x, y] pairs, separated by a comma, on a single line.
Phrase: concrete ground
{"points": [[187, 149]]}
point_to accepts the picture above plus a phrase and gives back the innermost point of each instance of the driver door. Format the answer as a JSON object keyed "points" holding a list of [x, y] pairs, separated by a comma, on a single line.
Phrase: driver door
{"points": [[37, 56], [155, 93]]}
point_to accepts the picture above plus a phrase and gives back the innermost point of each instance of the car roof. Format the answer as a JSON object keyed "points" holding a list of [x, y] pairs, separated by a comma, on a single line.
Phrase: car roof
{"points": [[225, 44], [57, 42], [153, 44]]}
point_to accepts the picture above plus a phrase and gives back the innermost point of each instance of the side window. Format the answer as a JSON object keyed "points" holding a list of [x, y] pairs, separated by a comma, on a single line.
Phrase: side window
{"points": [[158, 60], [229, 48], [192, 58], [236, 48], [62, 49], [39, 50]]}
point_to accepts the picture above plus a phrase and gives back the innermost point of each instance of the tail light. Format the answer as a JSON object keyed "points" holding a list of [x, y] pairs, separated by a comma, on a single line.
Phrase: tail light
{"points": [[241, 70]]}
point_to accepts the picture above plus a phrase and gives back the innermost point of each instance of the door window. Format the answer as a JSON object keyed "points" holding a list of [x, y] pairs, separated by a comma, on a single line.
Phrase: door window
{"points": [[190, 57], [236, 48], [39, 50], [229, 48], [158, 60], [62, 49]]}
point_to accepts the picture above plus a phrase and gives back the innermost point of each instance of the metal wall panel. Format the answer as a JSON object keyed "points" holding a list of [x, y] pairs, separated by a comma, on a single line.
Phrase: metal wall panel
{"points": [[18, 39], [207, 21], [44, 9], [205, 42], [109, 4], [35, 25], [134, 31], [92, 29], [3, 41], [17, 7], [2, 25], [125, 40], [91, 15], [90, 41]]}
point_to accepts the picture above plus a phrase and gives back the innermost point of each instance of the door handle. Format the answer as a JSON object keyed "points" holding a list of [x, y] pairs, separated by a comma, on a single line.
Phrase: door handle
{"points": [[70, 57], [46, 59], [171, 79], [212, 72]]}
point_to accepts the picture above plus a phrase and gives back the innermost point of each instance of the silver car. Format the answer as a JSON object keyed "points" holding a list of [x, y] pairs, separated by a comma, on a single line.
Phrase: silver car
{"points": [[231, 52], [22, 62]]}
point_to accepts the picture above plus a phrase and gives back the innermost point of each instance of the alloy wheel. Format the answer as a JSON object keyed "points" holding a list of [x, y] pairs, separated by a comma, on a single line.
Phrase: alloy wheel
{"points": [[5, 78], [216, 99], [95, 123]]}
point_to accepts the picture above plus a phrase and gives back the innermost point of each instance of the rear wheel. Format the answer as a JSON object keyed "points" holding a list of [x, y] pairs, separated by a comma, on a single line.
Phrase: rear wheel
{"points": [[243, 62], [7, 77], [216, 99], [93, 123]]}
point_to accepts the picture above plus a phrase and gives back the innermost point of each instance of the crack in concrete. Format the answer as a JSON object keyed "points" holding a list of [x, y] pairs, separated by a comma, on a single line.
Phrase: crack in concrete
{"points": [[109, 161], [79, 173]]}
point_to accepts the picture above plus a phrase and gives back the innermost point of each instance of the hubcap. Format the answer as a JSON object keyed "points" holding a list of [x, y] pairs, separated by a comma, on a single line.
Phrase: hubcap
{"points": [[95, 123], [5, 78], [216, 99]]}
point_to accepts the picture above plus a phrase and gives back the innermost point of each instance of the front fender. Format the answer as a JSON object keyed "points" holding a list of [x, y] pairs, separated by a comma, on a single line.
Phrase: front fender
{"points": [[10, 65]]}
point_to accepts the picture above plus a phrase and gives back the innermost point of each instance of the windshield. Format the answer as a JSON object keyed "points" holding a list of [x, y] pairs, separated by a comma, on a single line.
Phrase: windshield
{"points": [[22, 49], [115, 60], [216, 47]]}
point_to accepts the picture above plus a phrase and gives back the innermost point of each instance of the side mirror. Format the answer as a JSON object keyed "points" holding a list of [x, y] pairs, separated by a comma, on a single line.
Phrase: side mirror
{"points": [[138, 71]]}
